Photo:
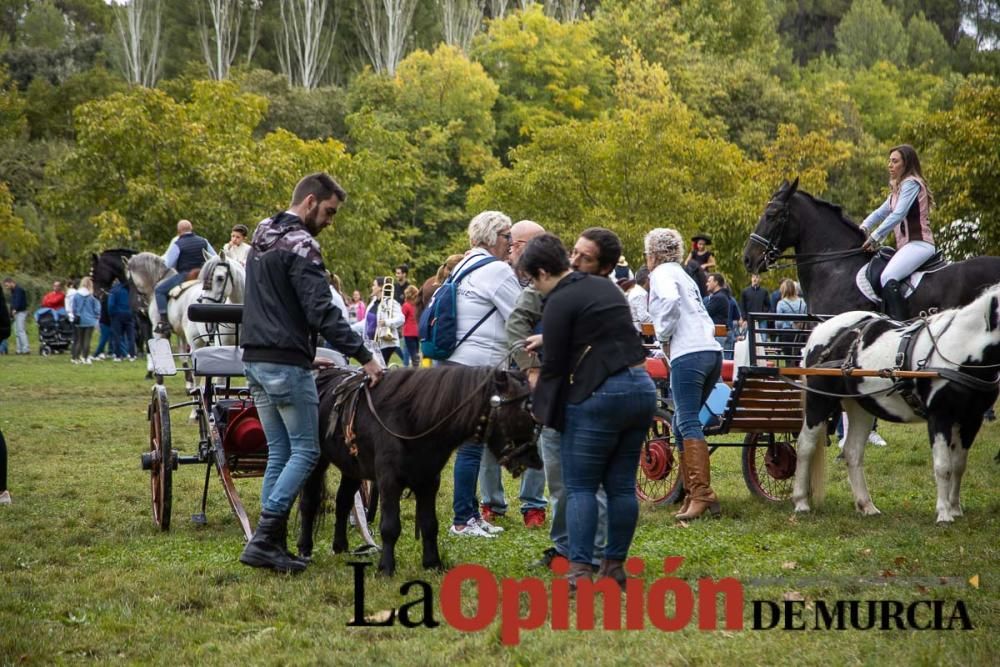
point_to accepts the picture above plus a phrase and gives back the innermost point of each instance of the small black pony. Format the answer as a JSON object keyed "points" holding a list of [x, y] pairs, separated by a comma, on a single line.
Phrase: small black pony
{"points": [[828, 256], [443, 407]]}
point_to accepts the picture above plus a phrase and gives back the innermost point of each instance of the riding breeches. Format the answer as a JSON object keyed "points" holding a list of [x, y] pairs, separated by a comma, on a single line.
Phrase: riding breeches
{"points": [[906, 260]]}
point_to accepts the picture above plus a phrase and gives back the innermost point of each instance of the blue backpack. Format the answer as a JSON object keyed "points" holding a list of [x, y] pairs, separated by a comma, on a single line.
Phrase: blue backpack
{"points": [[439, 321]]}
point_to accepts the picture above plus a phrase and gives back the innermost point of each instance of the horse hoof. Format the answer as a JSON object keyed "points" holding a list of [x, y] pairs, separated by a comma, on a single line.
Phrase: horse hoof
{"points": [[438, 566]]}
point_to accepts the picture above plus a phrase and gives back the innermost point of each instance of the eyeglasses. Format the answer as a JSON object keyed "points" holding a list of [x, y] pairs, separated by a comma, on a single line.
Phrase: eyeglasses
{"points": [[507, 236]]}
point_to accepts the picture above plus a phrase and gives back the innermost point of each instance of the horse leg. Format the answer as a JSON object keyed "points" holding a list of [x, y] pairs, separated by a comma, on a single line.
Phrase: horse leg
{"points": [[859, 425], [390, 491], [962, 439], [428, 522], [310, 500], [345, 502], [941, 431], [805, 452]]}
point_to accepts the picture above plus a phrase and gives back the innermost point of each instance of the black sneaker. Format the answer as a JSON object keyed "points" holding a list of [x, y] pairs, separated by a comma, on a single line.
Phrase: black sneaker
{"points": [[163, 328], [546, 558]]}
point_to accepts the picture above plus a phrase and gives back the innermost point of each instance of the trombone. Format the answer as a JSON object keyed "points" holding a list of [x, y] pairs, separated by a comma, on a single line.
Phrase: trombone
{"points": [[384, 333]]}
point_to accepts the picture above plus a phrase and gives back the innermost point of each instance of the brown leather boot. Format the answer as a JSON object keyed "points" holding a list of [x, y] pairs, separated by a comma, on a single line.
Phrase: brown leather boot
{"points": [[614, 569], [700, 474], [682, 474], [577, 572]]}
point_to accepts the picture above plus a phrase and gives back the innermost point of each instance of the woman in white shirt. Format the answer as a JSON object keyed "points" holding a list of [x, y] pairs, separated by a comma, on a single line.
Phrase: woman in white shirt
{"points": [[688, 336]]}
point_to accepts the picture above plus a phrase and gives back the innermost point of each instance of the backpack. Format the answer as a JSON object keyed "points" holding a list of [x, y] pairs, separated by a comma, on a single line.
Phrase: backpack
{"points": [[439, 321]]}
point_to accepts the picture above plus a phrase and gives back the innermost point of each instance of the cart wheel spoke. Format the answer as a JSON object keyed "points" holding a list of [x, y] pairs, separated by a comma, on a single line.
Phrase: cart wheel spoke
{"points": [[162, 457], [657, 478], [769, 465]]}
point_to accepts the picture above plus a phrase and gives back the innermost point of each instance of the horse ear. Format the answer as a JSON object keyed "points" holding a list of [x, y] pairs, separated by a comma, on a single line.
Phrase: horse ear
{"points": [[222, 255], [794, 186], [205, 255], [94, 259], [125, 262]]}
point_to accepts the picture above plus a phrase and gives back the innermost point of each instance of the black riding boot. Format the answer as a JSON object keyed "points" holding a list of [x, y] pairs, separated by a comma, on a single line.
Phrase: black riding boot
{"points": [[893, 303], [265, 550], [163, 327]]}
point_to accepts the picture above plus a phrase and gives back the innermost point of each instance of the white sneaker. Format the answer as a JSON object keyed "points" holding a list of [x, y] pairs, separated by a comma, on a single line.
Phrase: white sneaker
{"points": [[875, 439], [74, 361], [5, 498], [489, 527], [470, 529], [100, 357], [87, 361]]}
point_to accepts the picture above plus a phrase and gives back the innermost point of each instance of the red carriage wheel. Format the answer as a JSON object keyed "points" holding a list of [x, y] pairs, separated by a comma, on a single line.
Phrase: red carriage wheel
{"points": [[657, 479], [769, 465], [161, 459]]}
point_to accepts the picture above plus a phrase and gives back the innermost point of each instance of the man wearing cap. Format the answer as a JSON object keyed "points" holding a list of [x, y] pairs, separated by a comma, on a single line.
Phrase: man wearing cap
{"points": [[237, 248], [186, 255]]}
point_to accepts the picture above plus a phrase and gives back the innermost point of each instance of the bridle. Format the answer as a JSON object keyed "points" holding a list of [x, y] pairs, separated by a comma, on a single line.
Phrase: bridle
{"points": [[206, 285], [772, 252]]}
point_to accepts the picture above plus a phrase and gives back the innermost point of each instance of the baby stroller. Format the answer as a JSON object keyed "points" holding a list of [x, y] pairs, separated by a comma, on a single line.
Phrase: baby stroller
{"points": [[55, 331]]}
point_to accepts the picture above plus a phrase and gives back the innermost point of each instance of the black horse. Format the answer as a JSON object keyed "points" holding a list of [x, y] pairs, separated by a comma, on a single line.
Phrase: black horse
{"points": [[105, 269], [108, 266], [828, 256], [420, 417]]}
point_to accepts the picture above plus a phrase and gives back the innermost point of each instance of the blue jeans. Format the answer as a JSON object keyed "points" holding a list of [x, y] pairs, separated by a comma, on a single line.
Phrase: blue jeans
{"points": [[491, 486], [163, 288], [466, 472], [600, 445], [558, 531], [288, 406], [103, 341], [411, 351], [123, 335], [692, 378]]}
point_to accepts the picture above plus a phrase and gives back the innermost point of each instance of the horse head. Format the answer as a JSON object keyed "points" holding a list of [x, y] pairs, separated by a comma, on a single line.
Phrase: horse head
{"points": [[510, 430], [773, 233]]}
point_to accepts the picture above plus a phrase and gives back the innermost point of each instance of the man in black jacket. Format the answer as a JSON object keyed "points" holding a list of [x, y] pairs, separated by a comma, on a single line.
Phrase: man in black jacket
{"points": [[754, 299], [287, 304]]}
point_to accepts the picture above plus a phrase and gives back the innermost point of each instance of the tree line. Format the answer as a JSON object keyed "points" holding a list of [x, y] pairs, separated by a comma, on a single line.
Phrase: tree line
{"points": [[118, 119]]}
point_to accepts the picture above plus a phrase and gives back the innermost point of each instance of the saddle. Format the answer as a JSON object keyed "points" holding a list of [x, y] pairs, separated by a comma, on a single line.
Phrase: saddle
{"points": [[874, 269], [345, 407], [190, 280]]}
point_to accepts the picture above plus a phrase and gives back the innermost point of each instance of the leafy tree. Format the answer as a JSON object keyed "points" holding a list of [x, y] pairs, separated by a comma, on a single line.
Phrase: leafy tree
{"points": [[17, 240], [309, 114], [639, 168], [43, 26], [49, 108], [961, 158], [548, 72], [743, 28], [871, 32], [152, 160], [928, 48], [807, 26]]}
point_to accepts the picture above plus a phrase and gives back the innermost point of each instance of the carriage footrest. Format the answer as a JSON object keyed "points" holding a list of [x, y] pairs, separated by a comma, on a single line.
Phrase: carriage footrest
{"points": [[161, 357]]}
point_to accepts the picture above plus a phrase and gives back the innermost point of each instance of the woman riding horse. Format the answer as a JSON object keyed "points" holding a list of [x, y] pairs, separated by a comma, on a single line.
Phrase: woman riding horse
{"points": [[907, 213]]}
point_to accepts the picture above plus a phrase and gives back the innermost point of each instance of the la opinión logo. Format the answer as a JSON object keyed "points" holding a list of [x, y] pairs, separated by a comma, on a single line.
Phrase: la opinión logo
{"points": [[667, 604]]}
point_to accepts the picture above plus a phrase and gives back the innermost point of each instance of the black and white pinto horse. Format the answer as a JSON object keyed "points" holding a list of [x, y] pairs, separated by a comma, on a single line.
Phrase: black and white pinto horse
{"points": [[403, 436], [829, 259], [962, 344]]}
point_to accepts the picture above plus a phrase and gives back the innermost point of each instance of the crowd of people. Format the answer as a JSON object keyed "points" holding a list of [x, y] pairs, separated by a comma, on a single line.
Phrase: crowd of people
{"points": [[574, 320]]}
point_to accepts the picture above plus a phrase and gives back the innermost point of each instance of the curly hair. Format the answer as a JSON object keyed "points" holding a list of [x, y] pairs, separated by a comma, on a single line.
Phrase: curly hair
{"points": [[664, 245], [486, 226]]}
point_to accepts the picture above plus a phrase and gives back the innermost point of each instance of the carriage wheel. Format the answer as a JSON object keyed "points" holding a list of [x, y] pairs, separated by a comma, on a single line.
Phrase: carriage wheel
{"points": [[162, 457], [657, 479], [769, 465], [369, 496]]}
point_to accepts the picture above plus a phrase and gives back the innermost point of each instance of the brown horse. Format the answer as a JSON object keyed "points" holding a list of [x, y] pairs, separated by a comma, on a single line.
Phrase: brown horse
{"points": [[420, 417]]}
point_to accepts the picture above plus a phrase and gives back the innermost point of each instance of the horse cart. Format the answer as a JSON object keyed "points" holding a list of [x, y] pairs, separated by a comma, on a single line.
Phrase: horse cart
{"points": [[752, 401], [231, 439]]}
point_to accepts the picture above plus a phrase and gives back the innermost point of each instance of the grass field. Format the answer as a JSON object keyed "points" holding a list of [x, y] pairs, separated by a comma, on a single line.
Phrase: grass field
{"points": [[86, 576]]}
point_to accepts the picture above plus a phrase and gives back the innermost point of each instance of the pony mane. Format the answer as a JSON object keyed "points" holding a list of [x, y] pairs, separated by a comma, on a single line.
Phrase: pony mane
{"points": [[837, 211], [433, 392], [980, 303]]}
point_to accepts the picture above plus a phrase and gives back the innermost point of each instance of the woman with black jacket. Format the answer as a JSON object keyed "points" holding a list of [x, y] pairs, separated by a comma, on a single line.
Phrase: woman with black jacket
{"points": [[593, 389]]}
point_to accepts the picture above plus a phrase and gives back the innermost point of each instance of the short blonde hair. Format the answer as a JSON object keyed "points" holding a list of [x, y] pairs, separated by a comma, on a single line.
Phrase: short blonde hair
{"points": [[486, 227], [665, 245], [788, 288], [87, 282]]}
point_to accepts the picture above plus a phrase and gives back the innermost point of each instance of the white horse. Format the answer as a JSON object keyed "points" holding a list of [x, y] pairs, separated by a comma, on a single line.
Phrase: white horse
{"points": [[219, 281], [962, 344]]}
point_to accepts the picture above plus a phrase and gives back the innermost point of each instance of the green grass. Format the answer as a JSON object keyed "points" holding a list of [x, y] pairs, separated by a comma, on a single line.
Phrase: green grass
{"points": [[85, 575]]}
